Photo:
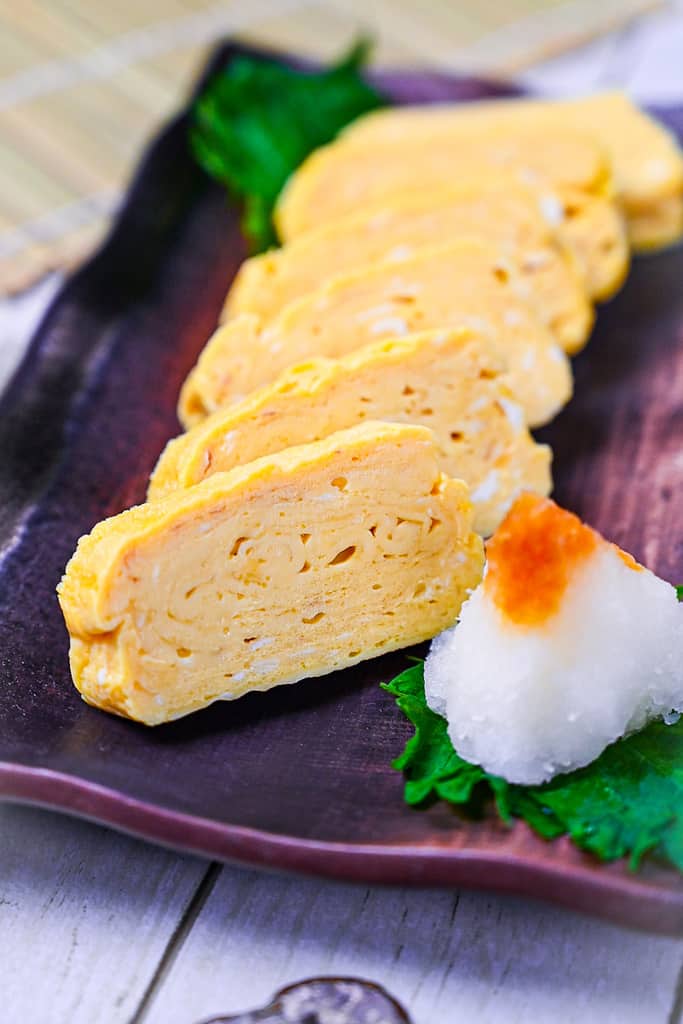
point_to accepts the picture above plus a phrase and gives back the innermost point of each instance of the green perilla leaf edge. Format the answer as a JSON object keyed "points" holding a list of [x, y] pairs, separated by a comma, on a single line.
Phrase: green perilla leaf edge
{"points": [[627, 803], [258, 119]]}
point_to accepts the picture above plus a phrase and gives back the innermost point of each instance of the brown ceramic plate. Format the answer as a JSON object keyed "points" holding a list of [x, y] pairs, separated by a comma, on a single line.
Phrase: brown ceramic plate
{"points": [[300, 778]]}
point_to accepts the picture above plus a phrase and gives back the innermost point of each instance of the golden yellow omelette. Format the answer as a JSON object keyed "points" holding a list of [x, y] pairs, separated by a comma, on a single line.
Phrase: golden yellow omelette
{"points": [[294, 565], [450, 381], [501, 211], [646, 158], [459, 284]]}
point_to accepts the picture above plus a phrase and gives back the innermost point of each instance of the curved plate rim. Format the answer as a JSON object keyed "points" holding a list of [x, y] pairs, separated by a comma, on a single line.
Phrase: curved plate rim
{"points": [[625, 900]]}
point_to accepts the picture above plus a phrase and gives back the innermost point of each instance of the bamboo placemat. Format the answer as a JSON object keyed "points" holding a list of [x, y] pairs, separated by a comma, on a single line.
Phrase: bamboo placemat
{"points": [[83, 85]]}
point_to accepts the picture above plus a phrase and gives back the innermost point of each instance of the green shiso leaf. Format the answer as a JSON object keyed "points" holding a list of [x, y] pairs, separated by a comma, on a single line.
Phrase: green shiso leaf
{"points": [[431, 765], [626, 803], [257, 120]]}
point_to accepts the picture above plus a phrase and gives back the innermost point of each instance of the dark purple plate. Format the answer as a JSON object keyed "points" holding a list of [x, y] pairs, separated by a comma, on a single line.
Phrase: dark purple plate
{"points": [[300, 778]]}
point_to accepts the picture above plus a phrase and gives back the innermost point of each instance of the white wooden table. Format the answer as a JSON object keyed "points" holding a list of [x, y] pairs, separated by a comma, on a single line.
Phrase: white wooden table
{"points": [[98, 928]]}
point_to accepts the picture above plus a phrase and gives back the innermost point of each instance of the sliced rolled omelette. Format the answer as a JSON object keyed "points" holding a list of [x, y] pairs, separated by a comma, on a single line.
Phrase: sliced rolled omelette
{"points": [[294, 565], [646, 158], [593, 229], [502, 211], [460, 284], [657, 227], [337, 178], [570, 175], [450, 381]]}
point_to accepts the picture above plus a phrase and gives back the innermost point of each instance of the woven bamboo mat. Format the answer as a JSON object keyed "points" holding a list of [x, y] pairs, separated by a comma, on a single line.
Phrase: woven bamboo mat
{"points": [[83, 85]]}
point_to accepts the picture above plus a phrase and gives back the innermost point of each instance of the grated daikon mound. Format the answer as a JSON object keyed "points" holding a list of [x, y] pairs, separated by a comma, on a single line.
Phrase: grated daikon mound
{"points": [[530, 695]]}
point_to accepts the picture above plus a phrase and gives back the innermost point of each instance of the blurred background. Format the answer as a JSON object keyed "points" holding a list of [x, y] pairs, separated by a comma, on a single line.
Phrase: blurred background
{"points": [[83, 85]]}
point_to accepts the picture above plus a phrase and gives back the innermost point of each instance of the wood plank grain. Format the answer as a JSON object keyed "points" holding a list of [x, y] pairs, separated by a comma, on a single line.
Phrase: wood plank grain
{"points": [[85, 917], [448, 956]]}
